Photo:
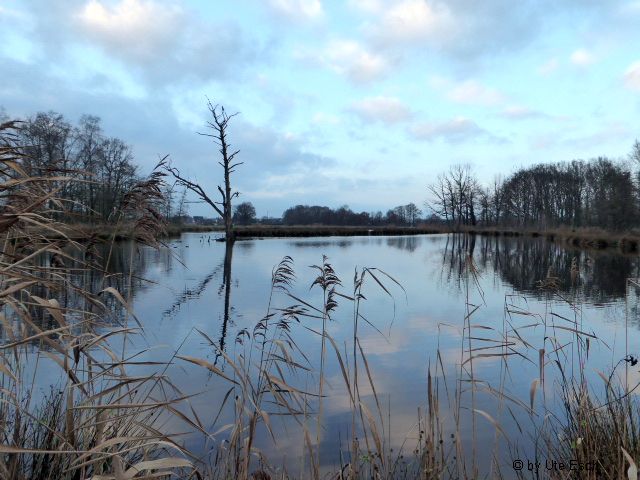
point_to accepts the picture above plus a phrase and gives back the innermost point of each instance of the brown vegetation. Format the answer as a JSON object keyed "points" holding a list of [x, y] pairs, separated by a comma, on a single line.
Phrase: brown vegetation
{"points": [[592, 238]]}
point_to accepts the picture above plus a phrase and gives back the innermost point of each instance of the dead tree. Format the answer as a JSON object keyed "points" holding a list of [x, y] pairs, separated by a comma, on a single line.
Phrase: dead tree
{"points": [[218, 126]]}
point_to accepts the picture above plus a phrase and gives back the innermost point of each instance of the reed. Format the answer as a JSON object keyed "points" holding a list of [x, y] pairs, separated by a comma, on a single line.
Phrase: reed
{"points": [[99, 421]]}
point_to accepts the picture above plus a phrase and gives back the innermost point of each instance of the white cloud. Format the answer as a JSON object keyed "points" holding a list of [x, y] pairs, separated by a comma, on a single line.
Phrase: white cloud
{"points": [[632, 76], [630, 8], [608, 133], [279, 152], [439, 82], [381, 109], [368, 6], [126, 26], [415, 20], [582, 58], [518, 112], [162, 42], [474, 93], [11, 13], [298, 9], [321, 118], [350, 59], [468, 92], [455, 130], [459, 29], [548, 67]]}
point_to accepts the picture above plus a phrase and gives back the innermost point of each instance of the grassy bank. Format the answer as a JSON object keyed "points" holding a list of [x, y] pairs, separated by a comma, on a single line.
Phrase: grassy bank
{"points": [[583, 238], [333, 230], [586, 238], [109, 232]]}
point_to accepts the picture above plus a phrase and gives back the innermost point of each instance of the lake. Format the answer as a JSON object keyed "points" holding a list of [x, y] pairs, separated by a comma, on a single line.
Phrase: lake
{"points": [[406, 331]]}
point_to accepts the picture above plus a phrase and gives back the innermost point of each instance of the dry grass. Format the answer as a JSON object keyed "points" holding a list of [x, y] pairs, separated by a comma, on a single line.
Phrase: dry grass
{"points": [[331, 230], [123, 231], [584, 238], [100, 422]]}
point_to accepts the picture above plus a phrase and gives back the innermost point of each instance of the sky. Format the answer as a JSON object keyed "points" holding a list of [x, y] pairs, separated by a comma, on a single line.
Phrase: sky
{"points": [[352, 102]]}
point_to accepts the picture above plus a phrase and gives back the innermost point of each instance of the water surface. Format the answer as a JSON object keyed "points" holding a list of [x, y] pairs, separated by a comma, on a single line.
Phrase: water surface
{"points": [[196, 284]]}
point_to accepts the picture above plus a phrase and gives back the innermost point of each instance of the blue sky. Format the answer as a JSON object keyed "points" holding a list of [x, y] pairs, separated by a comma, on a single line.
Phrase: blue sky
{"points": [[358, 102]]}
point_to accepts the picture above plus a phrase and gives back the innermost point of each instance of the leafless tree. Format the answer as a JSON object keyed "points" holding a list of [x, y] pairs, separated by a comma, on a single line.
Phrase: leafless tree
{"points": [[413, 213], [218, 132], [245, 213], [168, 195], [104, 166], [441, 203], [635, 152], [455, 196], [182, 206]]}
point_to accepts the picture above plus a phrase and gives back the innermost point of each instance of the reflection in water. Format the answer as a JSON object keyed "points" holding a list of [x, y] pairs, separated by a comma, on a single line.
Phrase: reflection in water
{"points": [[307, 244], [245, 245], [598, 276], [190, 293], [224, 291], [335, 242], [89, 271], [226, 286], [409, 243], [456, 250], [426, 323]]}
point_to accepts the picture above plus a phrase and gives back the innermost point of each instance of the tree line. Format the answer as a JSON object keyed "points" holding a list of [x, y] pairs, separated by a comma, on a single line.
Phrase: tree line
{"points": [[103, 166], [582, 193], [309, 215], [244, 213], [600, 192]]}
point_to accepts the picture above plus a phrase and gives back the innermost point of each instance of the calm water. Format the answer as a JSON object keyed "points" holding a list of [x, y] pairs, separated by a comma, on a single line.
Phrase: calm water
{"points": [[186, 288]]}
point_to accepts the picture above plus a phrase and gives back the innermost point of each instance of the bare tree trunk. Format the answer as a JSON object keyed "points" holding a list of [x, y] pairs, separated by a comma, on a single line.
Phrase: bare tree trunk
{"points": [[223, 208], [226, 284]]}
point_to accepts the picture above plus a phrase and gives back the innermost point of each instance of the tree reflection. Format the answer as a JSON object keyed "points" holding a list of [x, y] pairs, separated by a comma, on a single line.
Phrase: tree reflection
{"points": [[408, 243], [599, 276], [225, 289]]}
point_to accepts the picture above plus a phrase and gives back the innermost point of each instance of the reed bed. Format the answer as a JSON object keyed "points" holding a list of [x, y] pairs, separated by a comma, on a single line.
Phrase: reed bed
{"points": [[583, 238], [99, 421]]}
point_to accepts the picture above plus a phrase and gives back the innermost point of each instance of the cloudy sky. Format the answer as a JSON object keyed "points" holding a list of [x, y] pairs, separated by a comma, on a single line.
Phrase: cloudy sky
{"points": [[358, 102]]}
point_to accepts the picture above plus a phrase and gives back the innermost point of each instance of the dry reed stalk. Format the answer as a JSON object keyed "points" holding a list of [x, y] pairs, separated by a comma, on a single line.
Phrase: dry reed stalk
{"points": [[102, 423]]}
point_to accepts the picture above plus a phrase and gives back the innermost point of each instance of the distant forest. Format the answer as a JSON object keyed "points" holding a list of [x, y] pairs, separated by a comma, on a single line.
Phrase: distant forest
{"points": [[600, 192], [595, 193]]}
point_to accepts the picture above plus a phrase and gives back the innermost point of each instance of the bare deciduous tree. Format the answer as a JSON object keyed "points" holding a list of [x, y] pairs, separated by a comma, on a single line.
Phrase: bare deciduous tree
{"points": [[245, 213], [413, 213], [455, 195], [635, 152], [218, 126]]}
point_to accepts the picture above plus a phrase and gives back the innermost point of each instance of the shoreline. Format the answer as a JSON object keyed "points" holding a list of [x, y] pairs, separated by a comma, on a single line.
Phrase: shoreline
{"points": [[584, 238]]}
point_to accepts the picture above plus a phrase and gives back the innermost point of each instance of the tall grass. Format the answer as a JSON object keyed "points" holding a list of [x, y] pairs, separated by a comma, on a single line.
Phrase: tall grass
{"points": [[98, 421]]}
